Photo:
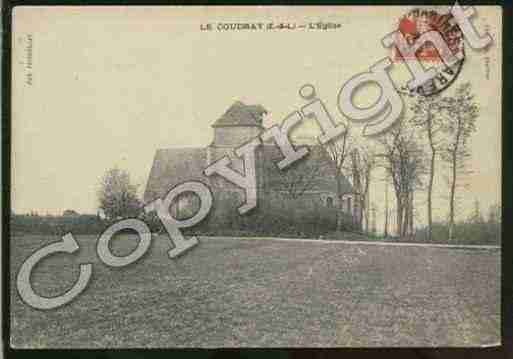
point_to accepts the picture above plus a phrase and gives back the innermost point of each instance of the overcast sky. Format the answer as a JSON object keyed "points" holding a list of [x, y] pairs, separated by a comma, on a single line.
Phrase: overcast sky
{"points": [[112, 85]]}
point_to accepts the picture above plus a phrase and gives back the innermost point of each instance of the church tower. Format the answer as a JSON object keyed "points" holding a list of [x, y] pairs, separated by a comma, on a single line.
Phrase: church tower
{"points": [[238, 125]]}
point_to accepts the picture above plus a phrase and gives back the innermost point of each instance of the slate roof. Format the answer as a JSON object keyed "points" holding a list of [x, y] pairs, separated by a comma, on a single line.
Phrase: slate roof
{"points": [[177, 165], [173, 166], [240, 114]]}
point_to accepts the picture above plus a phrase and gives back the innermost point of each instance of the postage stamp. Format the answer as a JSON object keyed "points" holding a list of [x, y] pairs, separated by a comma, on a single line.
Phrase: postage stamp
{"points": [[420, 21]]}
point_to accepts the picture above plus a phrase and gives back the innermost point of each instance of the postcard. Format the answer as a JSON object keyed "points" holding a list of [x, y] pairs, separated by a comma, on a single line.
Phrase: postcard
{"points": [[212, 177]]}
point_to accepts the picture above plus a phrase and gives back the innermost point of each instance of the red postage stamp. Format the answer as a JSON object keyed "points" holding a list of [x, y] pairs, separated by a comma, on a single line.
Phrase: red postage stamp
{"points": [[416, 23], [419, 21]]}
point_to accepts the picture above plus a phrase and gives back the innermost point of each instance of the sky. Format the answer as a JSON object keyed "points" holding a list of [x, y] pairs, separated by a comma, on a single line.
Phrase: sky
{"points": [[110, 86]]}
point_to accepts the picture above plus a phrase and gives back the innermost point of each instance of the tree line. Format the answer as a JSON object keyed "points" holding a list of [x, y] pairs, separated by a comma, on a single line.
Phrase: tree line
{"points": [[435, 129]]}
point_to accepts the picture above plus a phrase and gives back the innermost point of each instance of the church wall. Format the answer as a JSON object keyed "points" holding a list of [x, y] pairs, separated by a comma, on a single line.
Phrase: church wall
{"points": [[313, 212]]}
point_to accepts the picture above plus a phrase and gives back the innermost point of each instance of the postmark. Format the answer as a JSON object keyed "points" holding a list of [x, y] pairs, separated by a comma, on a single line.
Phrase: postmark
{"points": [[412, 26]]}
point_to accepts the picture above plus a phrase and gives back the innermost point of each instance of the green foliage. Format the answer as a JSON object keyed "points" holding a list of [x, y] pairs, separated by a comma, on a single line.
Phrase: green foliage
{"points": [[57, 225], [117, 196], [276, 217], [483, 233]]}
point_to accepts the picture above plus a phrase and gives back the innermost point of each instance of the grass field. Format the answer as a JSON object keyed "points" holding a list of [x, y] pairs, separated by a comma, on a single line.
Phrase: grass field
{"points": [[263, 292]]}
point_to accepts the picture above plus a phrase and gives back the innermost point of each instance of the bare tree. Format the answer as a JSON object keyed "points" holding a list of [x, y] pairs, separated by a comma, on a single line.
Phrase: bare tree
{"points": [[117, 196], [428, 115], [387, 182], [403, 161], [339, 152], [300, 177], [462, 113], [363, 162]]}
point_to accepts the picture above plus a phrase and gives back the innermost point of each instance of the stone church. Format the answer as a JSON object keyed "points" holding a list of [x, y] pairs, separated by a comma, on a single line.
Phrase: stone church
{"points": [[310, 181]]}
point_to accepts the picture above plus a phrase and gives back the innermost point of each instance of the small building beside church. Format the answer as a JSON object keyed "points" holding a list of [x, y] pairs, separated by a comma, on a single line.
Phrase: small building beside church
{"points": [[309, 186]]}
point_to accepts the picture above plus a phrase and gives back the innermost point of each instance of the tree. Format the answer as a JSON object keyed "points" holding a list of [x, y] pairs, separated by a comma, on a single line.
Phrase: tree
{"points": [[494, 214], [363, 162], [476, 216], [462, 113], [70, 213], [300, 177], [403, 162], [428, 114], [117, 196], [339, 152]]}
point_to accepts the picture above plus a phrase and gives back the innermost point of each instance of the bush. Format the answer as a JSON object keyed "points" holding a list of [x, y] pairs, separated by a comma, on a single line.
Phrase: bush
{"points": [[479, 232], [57, 225], [272, 218]]}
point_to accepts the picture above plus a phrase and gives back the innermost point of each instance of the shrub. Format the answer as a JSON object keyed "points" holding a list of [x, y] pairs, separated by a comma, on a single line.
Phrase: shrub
{"points": [[274, 217], [478, 232], [57, 225]]}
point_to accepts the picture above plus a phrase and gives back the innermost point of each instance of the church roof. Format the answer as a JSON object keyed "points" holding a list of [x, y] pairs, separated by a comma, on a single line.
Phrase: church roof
{"points": [[240, 114], [174, 166]]}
